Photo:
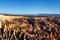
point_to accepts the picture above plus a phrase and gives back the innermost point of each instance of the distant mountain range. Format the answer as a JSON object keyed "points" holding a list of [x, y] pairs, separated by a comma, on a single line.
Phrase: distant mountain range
{"points": [[30, 14]]}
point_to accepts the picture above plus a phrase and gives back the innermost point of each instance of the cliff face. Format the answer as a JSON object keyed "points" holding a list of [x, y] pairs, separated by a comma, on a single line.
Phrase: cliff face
{"points": [[28, 28]]}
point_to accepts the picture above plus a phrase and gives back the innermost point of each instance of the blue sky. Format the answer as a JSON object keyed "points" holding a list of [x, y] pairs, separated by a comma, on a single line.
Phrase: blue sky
{"points": [[30, 6]]}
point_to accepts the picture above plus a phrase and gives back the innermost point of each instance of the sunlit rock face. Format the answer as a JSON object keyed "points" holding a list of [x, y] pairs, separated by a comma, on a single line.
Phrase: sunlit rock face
{"points": [[29, 28]]}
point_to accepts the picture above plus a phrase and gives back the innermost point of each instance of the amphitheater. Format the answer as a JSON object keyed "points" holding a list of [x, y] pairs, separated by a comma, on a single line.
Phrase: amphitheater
{"points": [[29, 28]]}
